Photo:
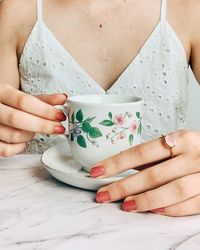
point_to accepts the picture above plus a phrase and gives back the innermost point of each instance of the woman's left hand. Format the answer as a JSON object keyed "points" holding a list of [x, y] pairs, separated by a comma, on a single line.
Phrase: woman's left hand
{"points": [[167, 186]]}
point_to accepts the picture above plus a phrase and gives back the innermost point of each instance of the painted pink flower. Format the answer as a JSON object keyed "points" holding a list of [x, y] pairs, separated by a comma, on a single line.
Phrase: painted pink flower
{"points": [[133, 127], [121, 136], [119, 120]]}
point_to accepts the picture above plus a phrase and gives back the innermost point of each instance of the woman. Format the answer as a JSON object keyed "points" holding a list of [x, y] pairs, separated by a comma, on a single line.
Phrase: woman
{"points": [[114, 51]]}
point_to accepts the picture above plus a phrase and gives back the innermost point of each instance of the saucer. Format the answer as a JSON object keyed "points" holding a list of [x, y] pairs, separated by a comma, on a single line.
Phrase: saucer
{"points": [[61, 165]]}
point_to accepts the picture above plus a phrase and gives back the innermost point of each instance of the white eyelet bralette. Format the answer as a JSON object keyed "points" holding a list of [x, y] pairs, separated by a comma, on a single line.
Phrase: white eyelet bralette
{"points": [[159, 74]]}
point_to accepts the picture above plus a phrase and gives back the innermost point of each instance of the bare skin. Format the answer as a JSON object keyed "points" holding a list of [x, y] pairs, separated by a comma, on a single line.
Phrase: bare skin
{"points": [[101, 32], [107, 32], [98, 34]]}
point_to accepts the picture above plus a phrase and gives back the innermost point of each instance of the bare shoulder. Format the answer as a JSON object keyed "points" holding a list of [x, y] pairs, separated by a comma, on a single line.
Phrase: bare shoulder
{"points": [[192, 8], [194, 18], [188, 14], [191, 5], [16, 17], [17, 10]]}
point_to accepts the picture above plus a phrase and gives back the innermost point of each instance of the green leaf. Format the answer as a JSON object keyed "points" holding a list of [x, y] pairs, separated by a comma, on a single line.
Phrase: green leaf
{"points": [[138, 115], [79, 115], [95, 133], [110, 115], [71, 137], [131, 138], [140, 129], [73, 118], [90, 119], [86, 127], [81, 141], [107, 123]]}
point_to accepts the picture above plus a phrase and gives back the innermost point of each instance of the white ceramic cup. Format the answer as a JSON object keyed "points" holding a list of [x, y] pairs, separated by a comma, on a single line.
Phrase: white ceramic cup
{"points": [[101, 126]]}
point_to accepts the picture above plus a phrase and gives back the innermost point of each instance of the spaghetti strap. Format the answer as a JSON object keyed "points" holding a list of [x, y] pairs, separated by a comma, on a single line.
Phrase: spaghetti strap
{"points": [[163, 10], [39, 10]]}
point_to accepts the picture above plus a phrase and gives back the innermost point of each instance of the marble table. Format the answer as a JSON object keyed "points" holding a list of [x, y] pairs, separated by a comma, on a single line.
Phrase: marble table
{"points": [[38, 212]]}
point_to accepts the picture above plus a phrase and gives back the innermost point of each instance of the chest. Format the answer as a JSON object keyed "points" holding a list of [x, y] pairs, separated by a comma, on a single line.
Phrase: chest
{"points": [[103, 39]]}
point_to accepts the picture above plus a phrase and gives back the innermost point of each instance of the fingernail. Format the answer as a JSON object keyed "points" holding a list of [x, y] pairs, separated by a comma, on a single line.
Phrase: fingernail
{"points": [[102, 196], [158, 210], [129, 205], [60, 116], [97, 171], [59, 129], [66, 95]]}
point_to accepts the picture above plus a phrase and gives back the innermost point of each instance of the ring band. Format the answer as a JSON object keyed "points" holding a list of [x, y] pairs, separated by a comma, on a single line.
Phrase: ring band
{"points": [[169, 143]]}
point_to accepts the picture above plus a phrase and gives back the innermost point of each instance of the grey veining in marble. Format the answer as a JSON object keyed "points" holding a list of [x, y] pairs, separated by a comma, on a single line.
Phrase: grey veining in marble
{"points": [[39, 213]]}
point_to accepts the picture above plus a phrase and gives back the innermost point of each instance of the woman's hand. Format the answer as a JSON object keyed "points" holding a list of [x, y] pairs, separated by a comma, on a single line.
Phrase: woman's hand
{"points": [[23, 115], [165, 186]]}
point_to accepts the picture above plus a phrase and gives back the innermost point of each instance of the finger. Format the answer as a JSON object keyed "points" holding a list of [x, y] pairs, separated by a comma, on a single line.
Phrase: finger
{"points": [[13, 135], [153, 177], [54, 99], [164, 196], [142, 154], [29, 104], [7, 150], [185, 208], [28, 122]]}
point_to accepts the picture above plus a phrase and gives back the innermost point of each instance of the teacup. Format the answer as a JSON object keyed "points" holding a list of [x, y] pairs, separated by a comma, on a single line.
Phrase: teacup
{"points": [[101, 126]]}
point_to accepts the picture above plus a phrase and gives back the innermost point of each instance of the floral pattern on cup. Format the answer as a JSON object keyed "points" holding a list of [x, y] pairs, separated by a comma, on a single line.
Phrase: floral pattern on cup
{"points": [[80, 129], [121, 128]]}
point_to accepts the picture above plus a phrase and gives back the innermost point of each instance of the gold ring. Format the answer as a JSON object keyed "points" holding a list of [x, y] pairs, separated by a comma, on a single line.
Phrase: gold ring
{"points": [[169, 143]]}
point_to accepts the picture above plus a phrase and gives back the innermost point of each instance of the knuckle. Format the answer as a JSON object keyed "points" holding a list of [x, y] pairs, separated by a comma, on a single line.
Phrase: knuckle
{"points": [[12, 119], [153, 177], [116, 162], [145, 201], [188, 135], [180, 189], [140, 151], [5, 89], [182, 132], [21, 102], [121, 189], [16, 136], [21, 136], [192, 139]]}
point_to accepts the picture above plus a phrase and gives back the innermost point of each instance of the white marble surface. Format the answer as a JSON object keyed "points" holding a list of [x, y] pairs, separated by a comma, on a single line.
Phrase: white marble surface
{"points": [[38, 212]]}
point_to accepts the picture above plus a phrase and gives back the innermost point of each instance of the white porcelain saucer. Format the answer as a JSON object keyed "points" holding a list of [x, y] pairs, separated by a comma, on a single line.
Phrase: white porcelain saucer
{"points": [[60, 164]]}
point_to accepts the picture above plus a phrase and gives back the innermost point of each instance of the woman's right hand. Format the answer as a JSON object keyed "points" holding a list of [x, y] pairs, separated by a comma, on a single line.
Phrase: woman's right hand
{"points": [[23, 115]]}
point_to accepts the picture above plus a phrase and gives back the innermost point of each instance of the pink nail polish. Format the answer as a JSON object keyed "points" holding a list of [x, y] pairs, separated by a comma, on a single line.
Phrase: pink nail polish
{"points": [[129, 205], [59, 129], [102, 196], [158, 210], [60, 116], [97, 171]]}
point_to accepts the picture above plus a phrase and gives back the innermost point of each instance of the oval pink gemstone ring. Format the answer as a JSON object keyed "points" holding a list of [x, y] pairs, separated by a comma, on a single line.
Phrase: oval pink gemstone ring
{"points": [[170, 143]]}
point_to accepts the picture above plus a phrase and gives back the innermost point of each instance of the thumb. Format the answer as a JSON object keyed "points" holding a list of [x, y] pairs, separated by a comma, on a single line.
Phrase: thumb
{"points": [[53, 99]]}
